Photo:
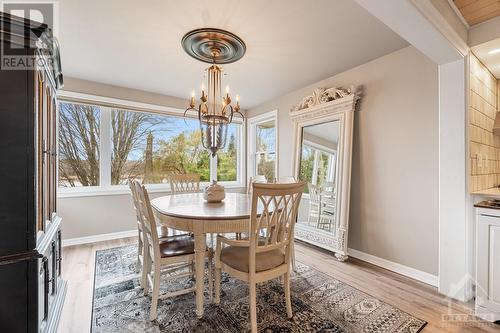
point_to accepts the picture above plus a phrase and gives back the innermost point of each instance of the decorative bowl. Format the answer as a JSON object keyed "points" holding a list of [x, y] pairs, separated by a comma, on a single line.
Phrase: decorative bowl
{"points": [[214, 192]]}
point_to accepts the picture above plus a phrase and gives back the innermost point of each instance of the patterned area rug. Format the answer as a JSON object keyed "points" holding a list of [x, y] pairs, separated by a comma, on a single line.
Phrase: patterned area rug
{"points": [[320, 304]]}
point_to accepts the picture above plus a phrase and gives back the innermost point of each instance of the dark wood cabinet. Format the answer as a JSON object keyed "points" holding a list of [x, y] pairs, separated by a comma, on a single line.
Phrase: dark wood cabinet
{"points": [[31, 286]]}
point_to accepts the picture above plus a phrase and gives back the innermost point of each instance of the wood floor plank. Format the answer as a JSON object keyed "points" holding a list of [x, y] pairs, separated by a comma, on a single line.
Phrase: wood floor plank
{"points": [[416, 298]]}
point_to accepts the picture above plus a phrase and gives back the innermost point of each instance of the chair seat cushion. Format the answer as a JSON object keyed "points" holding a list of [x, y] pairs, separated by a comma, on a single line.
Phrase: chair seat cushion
{"points": [[176, 246], [237, 258]]}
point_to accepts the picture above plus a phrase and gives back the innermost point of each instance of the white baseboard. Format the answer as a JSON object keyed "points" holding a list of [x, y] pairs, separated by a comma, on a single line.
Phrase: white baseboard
{"points": [[98, 238], [395, 267]]}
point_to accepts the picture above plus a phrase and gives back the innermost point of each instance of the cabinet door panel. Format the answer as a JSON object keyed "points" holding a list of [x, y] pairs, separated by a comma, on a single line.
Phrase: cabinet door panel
{"points": [[488, 263], [54, 154], [494, 271], [39, 148], [48, 152]]}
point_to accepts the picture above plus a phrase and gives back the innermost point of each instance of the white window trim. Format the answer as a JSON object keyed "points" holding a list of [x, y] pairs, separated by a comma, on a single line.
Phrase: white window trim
{"points": [[105, 158], [251, 140], [318, 148]]}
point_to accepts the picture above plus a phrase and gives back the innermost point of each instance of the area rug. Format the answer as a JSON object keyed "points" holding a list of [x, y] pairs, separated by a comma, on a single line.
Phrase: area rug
{"points": [[320, 304]]}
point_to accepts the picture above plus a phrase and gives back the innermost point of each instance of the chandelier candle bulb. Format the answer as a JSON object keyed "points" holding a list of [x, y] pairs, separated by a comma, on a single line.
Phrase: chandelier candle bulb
{"points": [[192, 103]]}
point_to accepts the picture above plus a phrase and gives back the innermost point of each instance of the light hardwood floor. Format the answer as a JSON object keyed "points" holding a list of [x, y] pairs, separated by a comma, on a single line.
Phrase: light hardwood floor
{"points": [[418, 299]]}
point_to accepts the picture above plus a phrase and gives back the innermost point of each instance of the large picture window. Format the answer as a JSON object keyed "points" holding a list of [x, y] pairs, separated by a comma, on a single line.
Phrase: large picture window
{"points": [[102, 146]]}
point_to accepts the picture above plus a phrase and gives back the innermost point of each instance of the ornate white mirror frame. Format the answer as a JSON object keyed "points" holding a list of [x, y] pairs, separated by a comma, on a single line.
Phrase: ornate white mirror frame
{"points": [[327, 105]]}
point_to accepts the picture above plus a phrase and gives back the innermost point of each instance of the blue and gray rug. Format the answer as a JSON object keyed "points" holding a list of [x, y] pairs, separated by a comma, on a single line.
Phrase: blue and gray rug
{"points": [[320, 304]]}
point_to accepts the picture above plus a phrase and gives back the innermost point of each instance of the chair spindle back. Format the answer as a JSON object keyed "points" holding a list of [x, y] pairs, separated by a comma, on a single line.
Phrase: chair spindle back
{"points": [[274, 208], [184, 183]]}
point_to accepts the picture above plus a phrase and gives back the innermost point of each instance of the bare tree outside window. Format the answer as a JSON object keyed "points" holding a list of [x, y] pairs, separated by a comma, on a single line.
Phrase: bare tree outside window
{"points": [[78, 145], [129, 133]]}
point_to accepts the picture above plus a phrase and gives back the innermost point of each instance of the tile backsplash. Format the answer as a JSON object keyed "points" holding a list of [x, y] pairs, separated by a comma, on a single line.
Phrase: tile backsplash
{"points": [[484, 147]]}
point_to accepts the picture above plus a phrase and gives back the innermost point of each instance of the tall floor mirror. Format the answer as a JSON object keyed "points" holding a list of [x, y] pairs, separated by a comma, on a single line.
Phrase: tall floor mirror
{"points": [[323, 125]]}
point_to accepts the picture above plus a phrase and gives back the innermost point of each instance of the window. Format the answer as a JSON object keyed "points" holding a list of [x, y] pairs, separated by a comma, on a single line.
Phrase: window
{"points": [[148, 147], [227, 158], [262, 146], [317, 165], [102, 146]]}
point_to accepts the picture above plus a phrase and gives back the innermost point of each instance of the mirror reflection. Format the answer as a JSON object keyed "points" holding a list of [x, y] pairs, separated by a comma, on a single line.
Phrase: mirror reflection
{"points": [[318, 164]]}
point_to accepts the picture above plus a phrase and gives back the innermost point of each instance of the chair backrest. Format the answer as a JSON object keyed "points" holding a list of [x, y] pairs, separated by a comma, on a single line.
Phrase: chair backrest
{"points": [[148, 218], [133, 192], [184, 183], [274, 208], [314, 193], [255, 179]]}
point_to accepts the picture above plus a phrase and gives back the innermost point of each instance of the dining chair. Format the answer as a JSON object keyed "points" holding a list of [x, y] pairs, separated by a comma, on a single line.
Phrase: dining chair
{"points": [[173, 256], [259, 259], [255, 179], [251, 180], [314, 203], [327, 210], [161, 230], [184, 183]]}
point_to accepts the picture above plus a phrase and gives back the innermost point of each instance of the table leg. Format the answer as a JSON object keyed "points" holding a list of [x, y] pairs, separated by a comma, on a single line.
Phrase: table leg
{"points": [[199, 249]]}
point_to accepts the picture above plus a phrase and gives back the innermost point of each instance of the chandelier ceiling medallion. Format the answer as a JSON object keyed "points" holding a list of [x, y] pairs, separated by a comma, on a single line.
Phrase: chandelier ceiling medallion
{"points": [[215, 110]]}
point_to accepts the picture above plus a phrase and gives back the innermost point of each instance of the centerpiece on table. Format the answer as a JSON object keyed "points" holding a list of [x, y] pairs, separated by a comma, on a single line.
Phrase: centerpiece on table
{"points": [[214, 192]]}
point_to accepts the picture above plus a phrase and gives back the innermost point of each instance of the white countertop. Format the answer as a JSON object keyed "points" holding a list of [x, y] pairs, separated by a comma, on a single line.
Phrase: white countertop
{"points": [[491, 192]]}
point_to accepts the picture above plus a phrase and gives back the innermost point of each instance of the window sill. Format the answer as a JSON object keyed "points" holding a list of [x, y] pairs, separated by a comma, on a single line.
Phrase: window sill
{"points": [[124, 190]]}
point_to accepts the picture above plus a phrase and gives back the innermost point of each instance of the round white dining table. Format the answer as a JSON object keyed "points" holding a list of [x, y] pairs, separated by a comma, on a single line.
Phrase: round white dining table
{"points": [[190, 212]]}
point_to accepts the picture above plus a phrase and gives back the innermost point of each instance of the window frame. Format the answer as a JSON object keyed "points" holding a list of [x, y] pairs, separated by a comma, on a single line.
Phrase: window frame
{"points": [[106, 104], [318, 149], [252, 124]]}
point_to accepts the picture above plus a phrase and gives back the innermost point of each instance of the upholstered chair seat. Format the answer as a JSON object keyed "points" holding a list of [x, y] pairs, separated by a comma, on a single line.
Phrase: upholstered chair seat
{"points": [[177, 246], [237, 258]]}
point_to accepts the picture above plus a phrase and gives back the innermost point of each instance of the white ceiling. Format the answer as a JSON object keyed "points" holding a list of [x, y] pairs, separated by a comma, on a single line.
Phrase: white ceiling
{"points": [[491, 61], [290, 44]]}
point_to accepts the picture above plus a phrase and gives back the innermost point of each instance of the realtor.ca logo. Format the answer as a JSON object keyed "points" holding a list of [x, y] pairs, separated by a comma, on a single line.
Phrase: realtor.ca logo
{"points": [[41, 14]]}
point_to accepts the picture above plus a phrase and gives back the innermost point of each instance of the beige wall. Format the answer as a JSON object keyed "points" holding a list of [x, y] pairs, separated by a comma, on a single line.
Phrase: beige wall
{"points": [[394, 192], [484, 154], [95, 215]]}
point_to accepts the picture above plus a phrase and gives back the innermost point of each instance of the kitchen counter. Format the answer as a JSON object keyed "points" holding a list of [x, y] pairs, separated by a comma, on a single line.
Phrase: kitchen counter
{"points": [[491, 192]]}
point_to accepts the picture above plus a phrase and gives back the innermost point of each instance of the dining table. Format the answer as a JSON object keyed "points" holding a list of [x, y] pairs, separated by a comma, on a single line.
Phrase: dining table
{"points": [[190, 212]]}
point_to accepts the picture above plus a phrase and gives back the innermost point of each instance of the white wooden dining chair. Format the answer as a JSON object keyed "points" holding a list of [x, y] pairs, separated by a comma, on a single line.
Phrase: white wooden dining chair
{"points": [[255, 179], [173, 256], [251, 180], [259, 259], [161, 230], [184, 183], [314, 203]]}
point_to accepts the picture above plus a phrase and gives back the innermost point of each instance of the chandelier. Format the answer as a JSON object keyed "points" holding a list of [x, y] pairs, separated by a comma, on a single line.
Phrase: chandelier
{"points": [[215, 109]]}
